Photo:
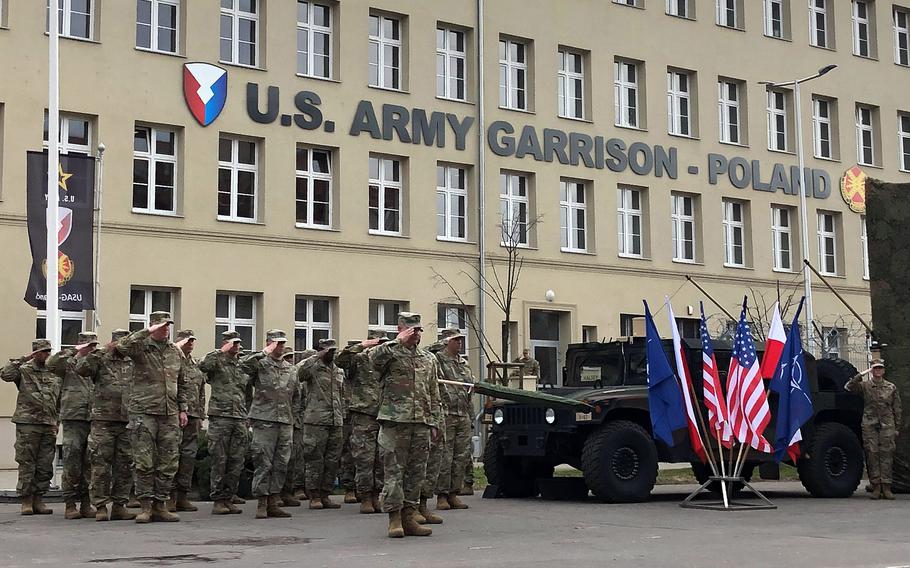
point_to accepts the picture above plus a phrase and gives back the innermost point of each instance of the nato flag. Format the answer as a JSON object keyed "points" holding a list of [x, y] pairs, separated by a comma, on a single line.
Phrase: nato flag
{"points": [[664, 395], [791, 383]]}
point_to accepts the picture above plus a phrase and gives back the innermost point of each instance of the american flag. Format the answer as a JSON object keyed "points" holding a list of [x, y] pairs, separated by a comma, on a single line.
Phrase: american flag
{"points": [[718, 418], [746, 397]]}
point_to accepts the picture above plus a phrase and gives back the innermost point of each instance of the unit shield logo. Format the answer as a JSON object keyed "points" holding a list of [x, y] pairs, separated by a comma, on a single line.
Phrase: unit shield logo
{"points": [[205, 90], [853, 189]]}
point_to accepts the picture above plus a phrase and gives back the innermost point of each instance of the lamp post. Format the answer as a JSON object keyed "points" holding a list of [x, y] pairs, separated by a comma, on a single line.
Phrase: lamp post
{"points": [[803, 187]]}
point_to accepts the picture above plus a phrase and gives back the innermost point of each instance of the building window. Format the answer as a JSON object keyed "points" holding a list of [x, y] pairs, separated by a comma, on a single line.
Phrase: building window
{"points": [[236, 312], [384, 315], [449, 316], [625, 93], [865, 135], [864, 242], [629, 221], [513, 74], [777, 120], [679, 8], [156, 25], [573, 215], [901, 36], [903, 129], [782, 237], [683, 218], [238, 171], [240, 32], [451, 202], [862, 14], [729, 109], [734, 234], [589, 334], [75, 135], [385, 196], [514, 208], [818, 23], [451, 64], [728, 13], [822, 116], [154, 170], [834, 342], [633, 3], [689, 328], [774, 18], [314, 39], [144, 301], [312, 321], [385, 52], [71, 325], [75, 19], [314, 188], [571, 81], [827, 243], [679, 92]]}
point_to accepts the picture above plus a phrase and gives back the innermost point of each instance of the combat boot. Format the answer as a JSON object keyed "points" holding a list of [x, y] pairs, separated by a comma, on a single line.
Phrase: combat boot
{"points": [[221, 507], [315, 500], [442, 502], [86, 510], [161, 514], [410, 525], [38, 506], [26, 508], [327, 502], [133, 503], [455, 502], [421, 520], [273, 510], [876, 491], [366, 504], [395, 528], [350, 498], [120, 513], [232, 509], [71, 513], [431, 517], [145, 514], [377, 506], [235, 500], [183, 504], [886, 492], [171, 504], [301, 494], [288, 500], [262, 508], [466, 490], [101, 513]]}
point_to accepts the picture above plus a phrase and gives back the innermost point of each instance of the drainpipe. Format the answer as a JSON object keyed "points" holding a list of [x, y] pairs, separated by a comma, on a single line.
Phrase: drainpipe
{"points": [[479, 438]]}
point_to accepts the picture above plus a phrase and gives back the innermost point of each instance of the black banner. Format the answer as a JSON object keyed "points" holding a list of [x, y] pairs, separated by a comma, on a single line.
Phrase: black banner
{"points": [[76, 195]]}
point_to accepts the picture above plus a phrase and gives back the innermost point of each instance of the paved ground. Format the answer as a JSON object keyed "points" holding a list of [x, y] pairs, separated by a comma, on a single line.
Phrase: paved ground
{"points": [[497, 533]]}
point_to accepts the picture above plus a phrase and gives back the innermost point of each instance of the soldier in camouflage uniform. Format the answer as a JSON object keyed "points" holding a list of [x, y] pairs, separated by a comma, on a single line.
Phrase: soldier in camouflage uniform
{"points": [[294, 484], [323, 382], [192, 411], [275, 395], [457, 451], [409, 418], [531, 367], [37, 408], [362, 411], [346, 470], [109, 441], [75, 414], [227, 432], [436, 454], [154, 423], [881, 423]]}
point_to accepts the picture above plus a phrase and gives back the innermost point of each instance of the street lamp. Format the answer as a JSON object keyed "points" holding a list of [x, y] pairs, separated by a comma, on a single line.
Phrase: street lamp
{"points": [[803, 209]]}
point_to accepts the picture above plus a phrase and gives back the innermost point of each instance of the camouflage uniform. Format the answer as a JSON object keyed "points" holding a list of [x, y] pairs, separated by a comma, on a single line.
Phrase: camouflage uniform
{"points": [[322, 422], [346, 469], [881, 423], [458, 423], [194, 406], [296, 478], [35, 417], [531, 368]]}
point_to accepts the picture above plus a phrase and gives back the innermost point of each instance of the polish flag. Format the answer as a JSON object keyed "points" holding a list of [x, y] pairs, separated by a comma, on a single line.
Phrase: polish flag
{"points": [[774, 345], [685, 379]]}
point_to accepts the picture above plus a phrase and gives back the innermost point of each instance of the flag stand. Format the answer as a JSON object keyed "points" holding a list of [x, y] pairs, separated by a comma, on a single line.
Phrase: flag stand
{"points": [[727, 505]]}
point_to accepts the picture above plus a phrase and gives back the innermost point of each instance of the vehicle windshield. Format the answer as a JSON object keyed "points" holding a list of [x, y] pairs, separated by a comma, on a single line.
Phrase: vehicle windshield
{"points": [[596, 369]]}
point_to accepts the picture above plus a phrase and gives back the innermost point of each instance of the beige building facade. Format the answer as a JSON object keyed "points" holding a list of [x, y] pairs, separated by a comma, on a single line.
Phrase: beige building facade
{"points": [[357, 162]]}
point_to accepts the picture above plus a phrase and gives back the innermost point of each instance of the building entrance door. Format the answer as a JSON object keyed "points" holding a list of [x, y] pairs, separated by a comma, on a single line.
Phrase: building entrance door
{"points": [[545, 346]]}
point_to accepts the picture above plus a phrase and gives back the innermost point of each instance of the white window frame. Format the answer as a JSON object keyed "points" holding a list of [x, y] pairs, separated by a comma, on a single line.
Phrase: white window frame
{"points": [[448, 56], [510, 70], [626, 213], [380, 41], [624, 90], [449, 192], [822, 127], [65, 30], [725, 9], [147, 293], [769, 6], [153, 158], [510, 202], [64, 145], [865, 128], [569, 208], [726, 105], [901, 34], [861, 28], [903, 141], [312, 176], [309, 325], [232, 321], [571, 85], [780, 228], [679, 221], [386, 322], [311, 31], [818, 12], [777, 114], [864, 242], [734, 228], [236, 14], [154, 26], [383, 182], [679, 103], [632, 3], [824, 236], [64, 316], [452, 316], [235, 167], [673, 8]]}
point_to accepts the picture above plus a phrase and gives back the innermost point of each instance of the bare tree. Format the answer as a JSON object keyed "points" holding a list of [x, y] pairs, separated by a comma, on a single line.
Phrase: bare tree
{"points": [[759, 309]]}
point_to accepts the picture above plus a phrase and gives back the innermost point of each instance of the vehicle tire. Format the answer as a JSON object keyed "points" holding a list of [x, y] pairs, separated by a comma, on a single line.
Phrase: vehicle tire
{"points": [[703, 471], [832, 463], [507, 473], [620, 462], [833, 374]]}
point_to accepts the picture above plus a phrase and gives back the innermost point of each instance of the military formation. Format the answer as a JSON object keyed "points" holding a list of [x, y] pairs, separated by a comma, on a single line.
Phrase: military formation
{"points": [[373, 415]]}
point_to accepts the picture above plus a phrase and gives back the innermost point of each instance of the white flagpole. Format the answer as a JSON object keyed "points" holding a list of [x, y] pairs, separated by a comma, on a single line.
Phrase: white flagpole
{"points": [[52, 318]]}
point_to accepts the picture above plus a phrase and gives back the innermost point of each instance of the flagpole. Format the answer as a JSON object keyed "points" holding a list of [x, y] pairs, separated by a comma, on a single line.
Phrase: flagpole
{"points": [[723, 471], [701, 422], [97, 284], [52, 315]]}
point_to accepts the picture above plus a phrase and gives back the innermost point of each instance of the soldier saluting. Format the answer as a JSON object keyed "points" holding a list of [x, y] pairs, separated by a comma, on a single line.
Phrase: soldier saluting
{"points": [[881, 423]]}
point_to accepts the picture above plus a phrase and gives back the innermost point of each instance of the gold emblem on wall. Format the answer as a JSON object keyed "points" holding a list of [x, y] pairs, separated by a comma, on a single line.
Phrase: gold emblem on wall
{"points": [[853, 189]]}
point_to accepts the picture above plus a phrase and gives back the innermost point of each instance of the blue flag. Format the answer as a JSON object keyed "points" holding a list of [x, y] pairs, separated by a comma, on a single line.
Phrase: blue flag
{"points": [[791, 383], [664, 397]]}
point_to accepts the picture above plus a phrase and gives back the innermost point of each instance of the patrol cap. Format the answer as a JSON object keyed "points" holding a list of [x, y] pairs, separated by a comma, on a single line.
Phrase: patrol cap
{"points": [[274, 335], [41, 345], [376, 334], [878, 363], [327, 344], [185, 334], [451, 333], [230, 337], [352, 342], [86, 338], [307, 353], [119, 334], [288, 352], [409, 320], [160, 317]]}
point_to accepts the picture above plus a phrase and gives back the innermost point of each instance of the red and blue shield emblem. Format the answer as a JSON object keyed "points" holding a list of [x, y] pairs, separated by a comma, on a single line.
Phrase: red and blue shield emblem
{"points": [[205, 90]]}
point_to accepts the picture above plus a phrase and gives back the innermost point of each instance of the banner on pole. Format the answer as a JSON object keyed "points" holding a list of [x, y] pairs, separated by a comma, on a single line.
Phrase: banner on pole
{"points": [[75, 192]]}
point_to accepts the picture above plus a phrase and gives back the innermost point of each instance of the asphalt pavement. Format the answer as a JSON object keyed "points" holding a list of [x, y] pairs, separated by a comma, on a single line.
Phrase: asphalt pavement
{"points": [[500, 533]]}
